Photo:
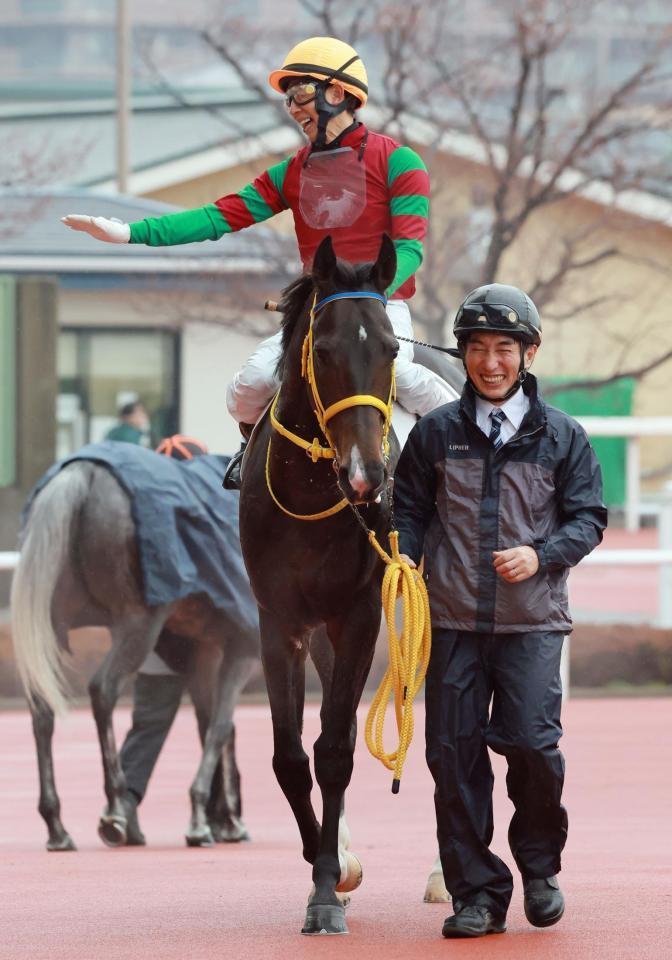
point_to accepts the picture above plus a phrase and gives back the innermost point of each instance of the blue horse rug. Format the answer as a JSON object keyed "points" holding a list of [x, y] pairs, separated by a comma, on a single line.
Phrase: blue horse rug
{"points": [[186, 526]]}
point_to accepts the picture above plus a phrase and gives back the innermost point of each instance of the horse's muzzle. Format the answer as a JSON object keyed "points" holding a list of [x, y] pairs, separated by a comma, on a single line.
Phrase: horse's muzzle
{"points": [[362, 483]]}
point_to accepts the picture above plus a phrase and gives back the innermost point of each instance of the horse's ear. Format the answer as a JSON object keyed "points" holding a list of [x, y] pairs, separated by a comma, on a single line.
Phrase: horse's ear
{"points": [[324, 264], [385, 267]]}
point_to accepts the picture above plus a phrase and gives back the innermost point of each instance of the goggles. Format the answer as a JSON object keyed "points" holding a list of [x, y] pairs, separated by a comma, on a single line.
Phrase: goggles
{"points": [[475, 315], [301, 93]]}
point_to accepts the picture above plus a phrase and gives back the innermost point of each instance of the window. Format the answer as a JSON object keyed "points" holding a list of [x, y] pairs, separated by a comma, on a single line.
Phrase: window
{"points": [[100, 370], [7, 383]]}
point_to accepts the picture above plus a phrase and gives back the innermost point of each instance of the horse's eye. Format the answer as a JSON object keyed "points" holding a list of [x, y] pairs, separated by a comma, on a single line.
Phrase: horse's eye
{"points": [[321, 355]]}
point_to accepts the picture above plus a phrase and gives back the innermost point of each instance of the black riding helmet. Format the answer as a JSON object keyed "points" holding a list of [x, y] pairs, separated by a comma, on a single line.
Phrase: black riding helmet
{"points": [[498, 308]]}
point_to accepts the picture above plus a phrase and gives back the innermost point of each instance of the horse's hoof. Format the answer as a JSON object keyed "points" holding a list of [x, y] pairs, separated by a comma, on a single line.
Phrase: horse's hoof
{"points": [[325, 918], [112, 830], [61, 844], [200, 838], [351, 872], [233, 831], [435, 891]]}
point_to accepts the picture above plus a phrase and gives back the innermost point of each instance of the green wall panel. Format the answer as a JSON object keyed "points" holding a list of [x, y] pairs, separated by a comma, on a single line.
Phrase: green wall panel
{"points": [[612, 400]]}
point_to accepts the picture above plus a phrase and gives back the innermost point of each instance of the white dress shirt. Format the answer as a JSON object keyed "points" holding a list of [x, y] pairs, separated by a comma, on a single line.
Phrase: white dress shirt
{"points": [[514, 409]]}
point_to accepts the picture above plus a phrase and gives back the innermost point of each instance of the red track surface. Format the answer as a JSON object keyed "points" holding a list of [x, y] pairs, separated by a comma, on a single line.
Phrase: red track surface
{"points": [[247, 901]]}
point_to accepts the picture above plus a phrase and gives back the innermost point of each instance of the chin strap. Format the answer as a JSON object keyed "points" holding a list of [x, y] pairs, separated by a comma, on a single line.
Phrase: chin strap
{"points": [[326, 110]]}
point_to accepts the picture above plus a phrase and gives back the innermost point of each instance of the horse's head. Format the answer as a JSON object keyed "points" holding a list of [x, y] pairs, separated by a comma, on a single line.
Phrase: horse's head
{"points": [[352, 348]]}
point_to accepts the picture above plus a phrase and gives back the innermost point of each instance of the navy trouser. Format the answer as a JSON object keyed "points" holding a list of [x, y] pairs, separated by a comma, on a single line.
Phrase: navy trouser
{"points": [[156, 699], [521, 674]]}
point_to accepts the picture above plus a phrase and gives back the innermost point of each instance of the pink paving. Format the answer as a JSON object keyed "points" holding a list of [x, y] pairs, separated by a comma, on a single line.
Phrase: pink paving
{"points": [[247, 901]]}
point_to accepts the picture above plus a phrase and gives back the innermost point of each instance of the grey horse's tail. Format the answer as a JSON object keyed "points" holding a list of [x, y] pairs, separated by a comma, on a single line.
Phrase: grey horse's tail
{"points": [[44, 550]]}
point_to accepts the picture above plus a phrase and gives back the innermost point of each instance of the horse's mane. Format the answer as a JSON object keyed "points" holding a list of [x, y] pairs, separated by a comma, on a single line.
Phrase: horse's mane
{"points": [[294, 299]]}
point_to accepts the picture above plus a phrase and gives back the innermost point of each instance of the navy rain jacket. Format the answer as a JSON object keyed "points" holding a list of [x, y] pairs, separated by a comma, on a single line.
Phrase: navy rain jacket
{"points": [[456, 500]]}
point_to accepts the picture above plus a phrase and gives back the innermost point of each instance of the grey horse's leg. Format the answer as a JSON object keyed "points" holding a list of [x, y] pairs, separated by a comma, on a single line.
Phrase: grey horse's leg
{"points": [[49, 805], [133, 636], [225, 807], [234, 671]]}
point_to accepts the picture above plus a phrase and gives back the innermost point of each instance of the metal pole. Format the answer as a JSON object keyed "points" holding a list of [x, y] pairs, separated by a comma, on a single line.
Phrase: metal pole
{"points": [[564, 668], [665, 572], [123, 95], [632, 470]]}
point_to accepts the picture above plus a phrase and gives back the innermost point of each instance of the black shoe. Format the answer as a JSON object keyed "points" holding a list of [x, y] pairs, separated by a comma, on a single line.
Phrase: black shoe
{"points": [[544, 902], [231, 479], [473, 921]]}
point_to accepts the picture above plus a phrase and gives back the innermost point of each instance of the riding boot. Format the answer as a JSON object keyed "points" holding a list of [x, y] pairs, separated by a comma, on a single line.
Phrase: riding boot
{"points": [[231, 479]]}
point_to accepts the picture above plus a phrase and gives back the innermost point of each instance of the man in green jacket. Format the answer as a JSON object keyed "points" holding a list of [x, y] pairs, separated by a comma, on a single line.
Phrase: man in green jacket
{"points": [[133, 424]]}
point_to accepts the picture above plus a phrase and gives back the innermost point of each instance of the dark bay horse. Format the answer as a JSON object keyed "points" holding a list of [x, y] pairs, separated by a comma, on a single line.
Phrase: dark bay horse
{"points": [[305, 574], [80, 566]]}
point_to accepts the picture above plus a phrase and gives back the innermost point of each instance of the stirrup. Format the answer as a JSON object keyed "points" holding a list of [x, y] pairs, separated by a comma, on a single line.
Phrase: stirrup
{"points": [[231, 479]]}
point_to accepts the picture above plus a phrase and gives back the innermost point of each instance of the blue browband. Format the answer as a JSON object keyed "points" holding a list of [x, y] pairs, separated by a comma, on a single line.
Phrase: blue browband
{"points": [[359, 295]]}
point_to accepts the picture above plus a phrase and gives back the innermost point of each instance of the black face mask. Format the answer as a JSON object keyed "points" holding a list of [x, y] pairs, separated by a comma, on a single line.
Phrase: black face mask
{"points": [[325, 112]]}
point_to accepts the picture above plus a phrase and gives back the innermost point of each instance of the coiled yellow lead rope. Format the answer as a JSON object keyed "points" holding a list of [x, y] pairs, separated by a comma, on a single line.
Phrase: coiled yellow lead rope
{"points": [[408, 656]]}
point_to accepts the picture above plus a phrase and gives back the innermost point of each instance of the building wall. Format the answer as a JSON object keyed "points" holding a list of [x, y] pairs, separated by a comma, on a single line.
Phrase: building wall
{"points": [[210, 357], [214, 343]]}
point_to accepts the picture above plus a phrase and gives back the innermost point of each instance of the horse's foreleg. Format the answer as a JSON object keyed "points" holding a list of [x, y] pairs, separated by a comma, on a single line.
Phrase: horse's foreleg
{"points": [[354, 638], [49, 805], [283, 658], [234, 672], [132, 639], [322, 655]]}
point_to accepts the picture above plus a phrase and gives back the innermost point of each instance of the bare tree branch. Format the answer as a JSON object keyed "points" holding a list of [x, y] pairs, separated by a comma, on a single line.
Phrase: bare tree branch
{"points": [[634, 373]]}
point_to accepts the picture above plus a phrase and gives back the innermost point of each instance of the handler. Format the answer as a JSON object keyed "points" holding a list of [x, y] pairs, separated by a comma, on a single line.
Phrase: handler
{"points": [[160, 683], [348, 182], [502, 494]]}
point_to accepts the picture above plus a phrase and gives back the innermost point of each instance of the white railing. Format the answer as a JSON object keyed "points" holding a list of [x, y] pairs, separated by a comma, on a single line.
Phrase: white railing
{"points": [[631, 428], [600, 557]]}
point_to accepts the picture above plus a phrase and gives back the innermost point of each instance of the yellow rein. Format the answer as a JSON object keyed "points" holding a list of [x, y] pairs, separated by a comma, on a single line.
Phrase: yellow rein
{"points": [[408, 655], [408, 652]]}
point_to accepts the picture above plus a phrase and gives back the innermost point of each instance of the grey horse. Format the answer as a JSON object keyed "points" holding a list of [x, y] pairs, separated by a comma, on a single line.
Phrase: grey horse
{"points": [[85, 561]]}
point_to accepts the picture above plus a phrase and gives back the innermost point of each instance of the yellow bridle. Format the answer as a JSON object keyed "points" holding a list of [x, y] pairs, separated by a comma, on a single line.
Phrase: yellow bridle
{"points": [[324, 414]]}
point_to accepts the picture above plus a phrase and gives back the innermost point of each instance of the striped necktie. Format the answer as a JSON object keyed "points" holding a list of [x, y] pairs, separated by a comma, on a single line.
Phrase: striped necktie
{"points": [[495, 437]]}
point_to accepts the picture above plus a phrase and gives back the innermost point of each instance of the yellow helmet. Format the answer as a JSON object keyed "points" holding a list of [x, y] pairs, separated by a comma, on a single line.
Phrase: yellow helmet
{"points": [[325, 58]]}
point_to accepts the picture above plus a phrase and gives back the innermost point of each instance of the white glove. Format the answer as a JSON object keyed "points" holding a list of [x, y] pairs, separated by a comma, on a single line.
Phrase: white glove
{"points": [[111, 231]]}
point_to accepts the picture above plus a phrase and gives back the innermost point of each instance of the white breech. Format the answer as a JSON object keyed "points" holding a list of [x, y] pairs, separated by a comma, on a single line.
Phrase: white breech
{"points": [[419, 390]]}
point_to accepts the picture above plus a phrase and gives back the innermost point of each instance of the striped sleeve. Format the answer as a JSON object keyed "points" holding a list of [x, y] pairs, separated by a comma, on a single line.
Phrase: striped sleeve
{"points": [[408, 185], [257, 201]]}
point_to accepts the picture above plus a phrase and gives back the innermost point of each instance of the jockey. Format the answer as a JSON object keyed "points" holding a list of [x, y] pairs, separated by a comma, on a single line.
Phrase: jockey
{"points": [[347, 182]]}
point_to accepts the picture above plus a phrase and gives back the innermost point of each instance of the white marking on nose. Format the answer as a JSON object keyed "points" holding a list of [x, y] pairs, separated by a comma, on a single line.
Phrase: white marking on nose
{"points": [[356, 475], [362, 334]]}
